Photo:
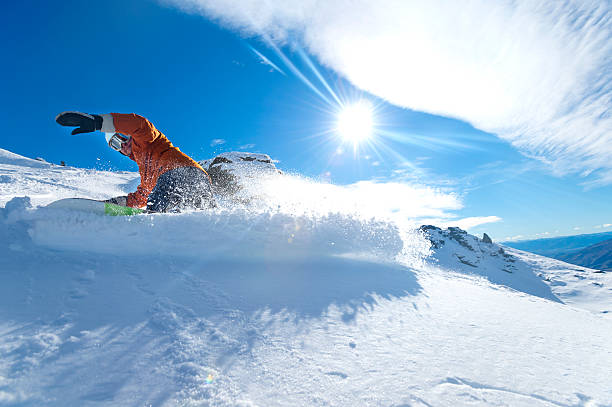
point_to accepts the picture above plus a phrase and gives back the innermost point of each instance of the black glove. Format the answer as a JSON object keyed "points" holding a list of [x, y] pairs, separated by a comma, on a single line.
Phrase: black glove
{"points": [[86, 123], [119, 200]]}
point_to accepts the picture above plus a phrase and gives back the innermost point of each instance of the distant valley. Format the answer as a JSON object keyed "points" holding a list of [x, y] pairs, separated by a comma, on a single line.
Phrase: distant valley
{"points": [[590, 250]]}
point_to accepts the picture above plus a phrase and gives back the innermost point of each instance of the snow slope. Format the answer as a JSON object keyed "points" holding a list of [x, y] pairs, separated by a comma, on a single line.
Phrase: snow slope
{"points": [[43, 182], [276, 305]]}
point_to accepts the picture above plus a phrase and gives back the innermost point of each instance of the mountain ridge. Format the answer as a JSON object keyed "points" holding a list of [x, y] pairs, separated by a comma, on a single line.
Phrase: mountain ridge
{"points": [[558, 245], [596, 256]]}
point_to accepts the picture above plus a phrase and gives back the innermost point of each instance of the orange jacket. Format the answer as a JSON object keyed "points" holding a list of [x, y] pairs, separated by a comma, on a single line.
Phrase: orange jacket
{"points": [[152, 151]]}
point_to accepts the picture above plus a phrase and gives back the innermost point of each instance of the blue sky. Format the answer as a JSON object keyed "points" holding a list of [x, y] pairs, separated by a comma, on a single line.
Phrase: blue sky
{"points": [[195, 76]]}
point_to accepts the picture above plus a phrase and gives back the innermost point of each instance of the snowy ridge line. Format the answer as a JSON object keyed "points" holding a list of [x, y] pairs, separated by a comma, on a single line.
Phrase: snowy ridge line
{"points": [[44, 183], [237, 233], [9, 158]]}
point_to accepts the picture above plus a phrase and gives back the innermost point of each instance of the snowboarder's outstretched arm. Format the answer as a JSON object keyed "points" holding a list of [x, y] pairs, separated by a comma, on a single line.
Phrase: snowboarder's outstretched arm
{"points": [[132, 125]]}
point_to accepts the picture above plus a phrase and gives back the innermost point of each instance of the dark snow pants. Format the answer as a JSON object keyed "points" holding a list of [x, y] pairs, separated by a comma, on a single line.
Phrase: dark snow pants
{"points": [[179, 189]]}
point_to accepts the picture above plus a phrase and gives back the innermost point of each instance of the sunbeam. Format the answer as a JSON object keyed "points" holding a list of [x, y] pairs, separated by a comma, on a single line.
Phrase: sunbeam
{"points": [[266, 60], [295, 70], [314, 69]]}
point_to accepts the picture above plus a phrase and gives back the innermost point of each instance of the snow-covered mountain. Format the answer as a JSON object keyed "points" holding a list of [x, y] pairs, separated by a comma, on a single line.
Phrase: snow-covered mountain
{"points": [[525, 272], [269, 300]]}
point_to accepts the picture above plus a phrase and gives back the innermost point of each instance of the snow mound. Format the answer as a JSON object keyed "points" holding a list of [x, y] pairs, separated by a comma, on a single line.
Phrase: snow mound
{"points": [[227, 234]]}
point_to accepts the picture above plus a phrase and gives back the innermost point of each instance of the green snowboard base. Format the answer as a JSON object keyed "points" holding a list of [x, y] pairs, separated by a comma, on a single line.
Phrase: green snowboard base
{"points": [[93, 206]]}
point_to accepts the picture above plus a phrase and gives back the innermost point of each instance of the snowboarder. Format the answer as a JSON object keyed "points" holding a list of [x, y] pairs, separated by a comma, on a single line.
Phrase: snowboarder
{"points": [[169, 179]]}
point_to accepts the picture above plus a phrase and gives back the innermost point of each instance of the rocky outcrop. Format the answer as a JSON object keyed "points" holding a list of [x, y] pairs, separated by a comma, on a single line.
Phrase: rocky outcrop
{"points": [[229, 172], [457, 251], [467, 250]]}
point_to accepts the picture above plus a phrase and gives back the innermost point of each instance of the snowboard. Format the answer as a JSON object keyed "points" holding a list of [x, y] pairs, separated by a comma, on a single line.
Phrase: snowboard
{"points": [[93, 206]]}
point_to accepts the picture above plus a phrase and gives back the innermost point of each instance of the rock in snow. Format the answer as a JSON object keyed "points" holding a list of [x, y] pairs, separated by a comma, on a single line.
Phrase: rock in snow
{"points": [[276, 306], [229, 172], [486, 238]]}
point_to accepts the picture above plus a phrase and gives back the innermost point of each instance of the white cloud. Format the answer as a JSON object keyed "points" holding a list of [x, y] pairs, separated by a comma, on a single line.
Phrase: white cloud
{"points": [[217, 142], [538, 73], [471, 222], [406, 202]]}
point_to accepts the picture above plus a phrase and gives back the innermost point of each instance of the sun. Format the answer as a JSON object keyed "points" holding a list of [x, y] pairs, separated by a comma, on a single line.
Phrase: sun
{"points": [[355, 122]]}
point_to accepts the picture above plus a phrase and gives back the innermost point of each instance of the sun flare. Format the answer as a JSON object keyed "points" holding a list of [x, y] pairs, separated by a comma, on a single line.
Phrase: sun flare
{"points": [[355, 122]]}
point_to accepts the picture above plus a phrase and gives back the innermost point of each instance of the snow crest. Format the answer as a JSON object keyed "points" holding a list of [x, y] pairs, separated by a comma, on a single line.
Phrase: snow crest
{"points": [[236, 233], [262, 213]]}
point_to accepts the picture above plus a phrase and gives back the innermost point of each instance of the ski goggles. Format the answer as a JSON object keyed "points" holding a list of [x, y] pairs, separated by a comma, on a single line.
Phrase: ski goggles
{"points": [[116, 141]]}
